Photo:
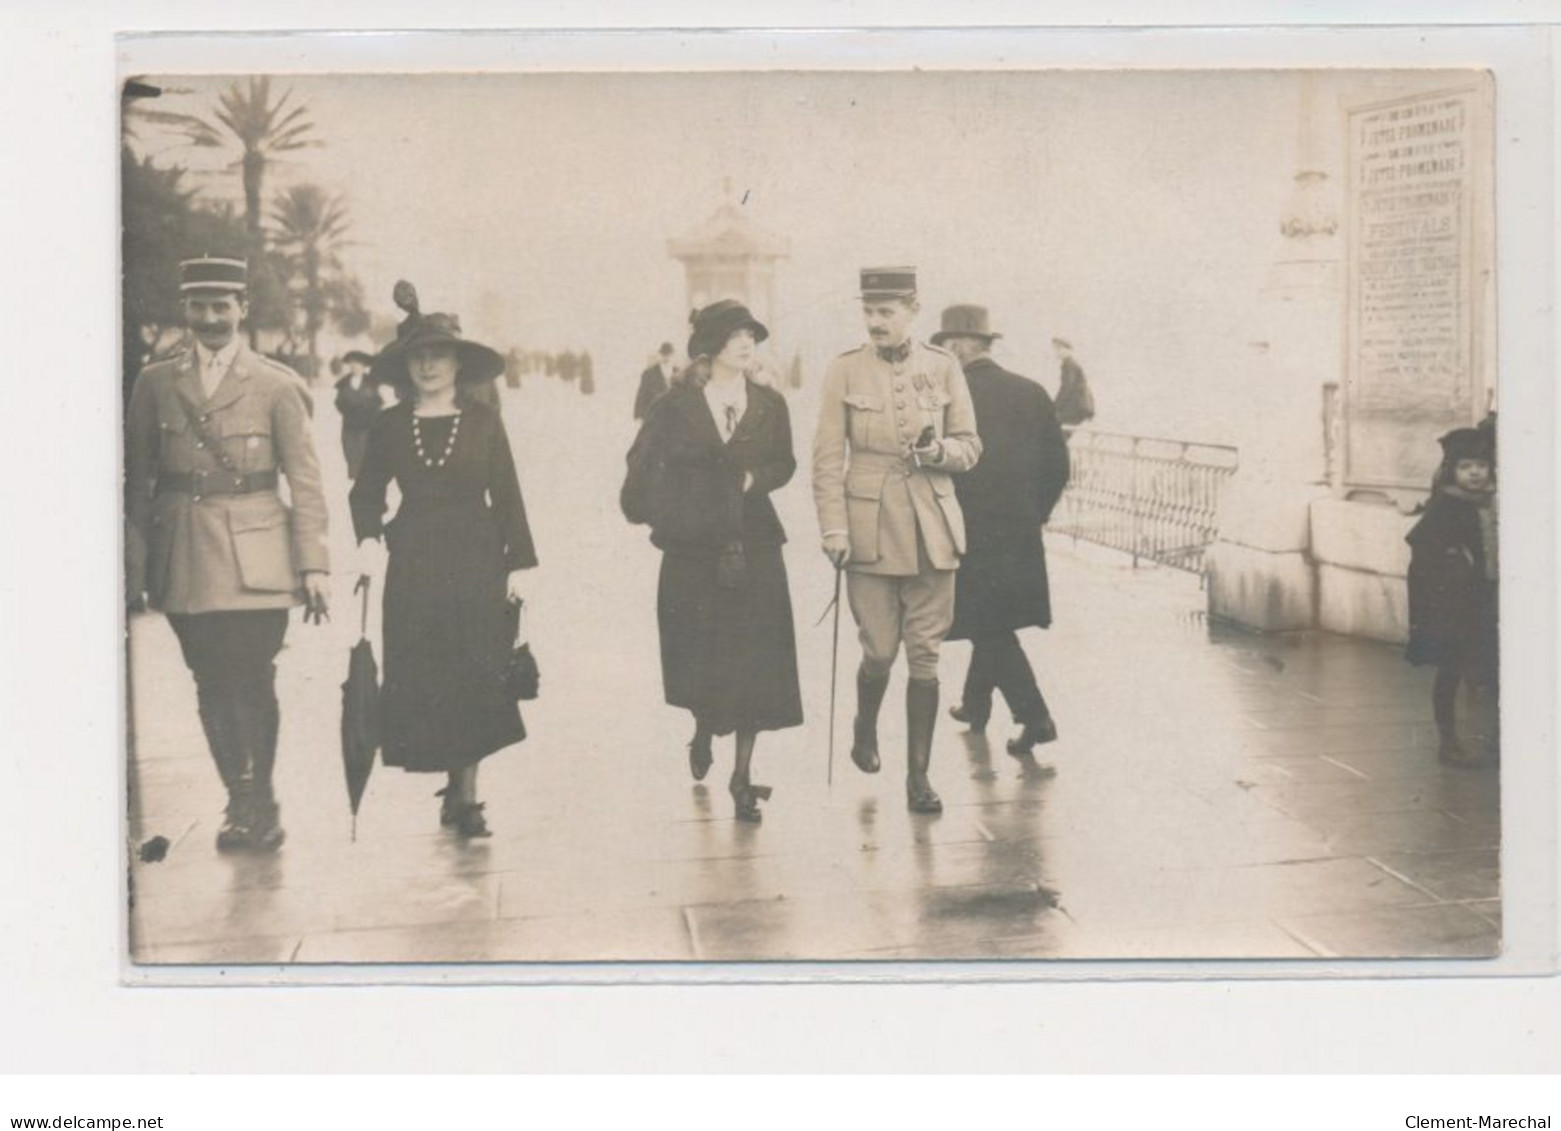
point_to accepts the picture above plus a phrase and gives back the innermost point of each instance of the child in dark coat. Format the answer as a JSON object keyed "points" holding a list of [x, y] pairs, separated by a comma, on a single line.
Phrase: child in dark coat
{"points": [[1453, 580]]}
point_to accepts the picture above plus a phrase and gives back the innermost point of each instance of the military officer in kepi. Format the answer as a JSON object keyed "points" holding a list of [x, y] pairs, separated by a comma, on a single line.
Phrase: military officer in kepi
{"points": [[895, 424], [210, 542]]}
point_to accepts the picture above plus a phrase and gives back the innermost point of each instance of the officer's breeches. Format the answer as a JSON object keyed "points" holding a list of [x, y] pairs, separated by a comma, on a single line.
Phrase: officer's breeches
{"points": [[232, 657], [917, 610]]}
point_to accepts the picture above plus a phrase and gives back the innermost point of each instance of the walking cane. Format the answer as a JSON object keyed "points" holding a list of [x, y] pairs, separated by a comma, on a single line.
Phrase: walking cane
{"points": [[834, 667]]}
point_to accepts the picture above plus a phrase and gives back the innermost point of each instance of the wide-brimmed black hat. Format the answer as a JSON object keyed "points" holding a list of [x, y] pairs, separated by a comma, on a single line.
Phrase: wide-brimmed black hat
{"points": [[716, 323], [965, 321], [477, 361], [1468, 443]]}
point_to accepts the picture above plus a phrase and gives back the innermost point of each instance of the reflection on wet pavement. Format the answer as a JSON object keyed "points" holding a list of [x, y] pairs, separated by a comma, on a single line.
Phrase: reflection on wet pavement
{"points": [[1212, 794]]}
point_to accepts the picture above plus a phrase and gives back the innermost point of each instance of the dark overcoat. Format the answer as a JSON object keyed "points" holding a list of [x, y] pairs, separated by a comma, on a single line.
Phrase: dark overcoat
{"points": [[653, 383], [1452, 605], [359, 409], [728, 642], [1007, 498]]}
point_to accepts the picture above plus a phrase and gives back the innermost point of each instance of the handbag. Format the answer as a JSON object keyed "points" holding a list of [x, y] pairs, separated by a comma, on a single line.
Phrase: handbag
{"points": [[522, 678]]}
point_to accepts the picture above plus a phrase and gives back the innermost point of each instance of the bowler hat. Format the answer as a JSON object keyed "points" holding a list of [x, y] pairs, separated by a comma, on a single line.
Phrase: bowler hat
{"points": [[888, 282], [477, 361], [965, 321], [716, 323], [359, 356], [1468, 443]]}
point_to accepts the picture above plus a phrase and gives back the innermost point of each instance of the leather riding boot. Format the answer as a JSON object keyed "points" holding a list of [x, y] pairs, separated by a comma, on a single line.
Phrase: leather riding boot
{"points": [[264, 721], [921, 716], [869, 697], [234, 835]]}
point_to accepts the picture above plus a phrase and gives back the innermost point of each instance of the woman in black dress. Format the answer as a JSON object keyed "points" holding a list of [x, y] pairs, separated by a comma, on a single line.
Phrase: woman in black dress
{"points": [[455, 548], [700, 474]]}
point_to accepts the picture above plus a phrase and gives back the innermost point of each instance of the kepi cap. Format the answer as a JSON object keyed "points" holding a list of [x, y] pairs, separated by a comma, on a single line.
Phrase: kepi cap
{"points": [[213, 273], [888, 282]]}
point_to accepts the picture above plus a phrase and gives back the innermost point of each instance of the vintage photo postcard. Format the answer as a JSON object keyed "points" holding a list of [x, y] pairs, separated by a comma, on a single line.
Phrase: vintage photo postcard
{"points": [[810, 516]]}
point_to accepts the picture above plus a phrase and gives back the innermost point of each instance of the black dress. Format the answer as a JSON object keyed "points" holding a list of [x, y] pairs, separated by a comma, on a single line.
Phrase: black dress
{"points": [[449, 629], [728, 643]]}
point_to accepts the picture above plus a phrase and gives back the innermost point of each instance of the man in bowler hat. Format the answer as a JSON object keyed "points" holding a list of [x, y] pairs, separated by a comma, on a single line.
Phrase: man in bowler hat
{"points": [[210, 542], [895, 424], [656, 379], [1006, 500]]}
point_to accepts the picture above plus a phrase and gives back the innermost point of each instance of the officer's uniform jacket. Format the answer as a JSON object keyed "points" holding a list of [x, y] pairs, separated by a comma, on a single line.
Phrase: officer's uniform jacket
{"points": [[865, 481], [202, 538]]}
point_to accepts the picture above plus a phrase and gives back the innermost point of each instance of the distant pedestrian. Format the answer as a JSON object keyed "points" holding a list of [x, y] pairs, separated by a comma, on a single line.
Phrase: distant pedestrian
{"points": [[895, 424], [1007, 498], [456, 549], [211, 543], [700, 473], [1453, 579], [655, 380], [359, 402], [1075, 401]]}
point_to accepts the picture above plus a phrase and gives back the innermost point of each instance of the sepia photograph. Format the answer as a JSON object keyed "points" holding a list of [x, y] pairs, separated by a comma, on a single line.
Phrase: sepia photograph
{"points": [[765, 516]]}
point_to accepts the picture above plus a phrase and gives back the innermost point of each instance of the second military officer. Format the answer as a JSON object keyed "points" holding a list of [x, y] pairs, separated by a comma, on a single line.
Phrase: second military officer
{"points": [[896, 421]]}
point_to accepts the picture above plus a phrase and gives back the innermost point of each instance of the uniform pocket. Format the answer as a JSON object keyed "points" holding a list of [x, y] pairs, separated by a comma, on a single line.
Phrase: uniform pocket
{"points": [[247, 441], [864, 499], [864, 412], [263, 548], [948, 503]]}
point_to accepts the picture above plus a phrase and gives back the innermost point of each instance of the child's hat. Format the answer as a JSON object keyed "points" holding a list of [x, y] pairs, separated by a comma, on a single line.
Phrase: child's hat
{"points": [[1468, 443]]}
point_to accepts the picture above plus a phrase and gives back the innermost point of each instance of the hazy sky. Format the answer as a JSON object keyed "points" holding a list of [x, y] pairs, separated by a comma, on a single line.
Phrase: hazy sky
{"points": [[1123, 210]]}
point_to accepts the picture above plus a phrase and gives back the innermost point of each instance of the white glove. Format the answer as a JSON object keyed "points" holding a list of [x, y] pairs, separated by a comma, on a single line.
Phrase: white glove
{"points": [[371, 559]]}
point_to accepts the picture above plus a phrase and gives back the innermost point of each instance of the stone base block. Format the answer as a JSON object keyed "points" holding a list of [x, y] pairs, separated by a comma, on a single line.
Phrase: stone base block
{"points": [[1372, 605], [1262, 589], [1360, 536]]}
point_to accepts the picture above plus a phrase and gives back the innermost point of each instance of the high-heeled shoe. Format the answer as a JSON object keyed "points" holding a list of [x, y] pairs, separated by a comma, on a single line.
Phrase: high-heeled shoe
{"points": [[747, 798], [470, 823], [700, 756], [449, 808]]}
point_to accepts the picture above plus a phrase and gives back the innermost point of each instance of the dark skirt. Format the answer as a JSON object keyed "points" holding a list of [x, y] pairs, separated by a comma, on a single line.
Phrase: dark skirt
{"points": [[448, 637], [729, 654], [354, 443]]}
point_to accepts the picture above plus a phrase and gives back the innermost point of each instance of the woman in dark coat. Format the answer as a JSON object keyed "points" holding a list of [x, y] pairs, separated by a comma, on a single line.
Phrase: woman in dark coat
{"points": [[1007, 497], [1453, 580], [359, 402], [700, 474], [456, 547]]}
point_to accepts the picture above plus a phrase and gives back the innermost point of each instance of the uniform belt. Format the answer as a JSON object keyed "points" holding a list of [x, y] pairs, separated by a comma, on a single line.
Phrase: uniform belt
{"points": [[200, 483], [883, 461]]}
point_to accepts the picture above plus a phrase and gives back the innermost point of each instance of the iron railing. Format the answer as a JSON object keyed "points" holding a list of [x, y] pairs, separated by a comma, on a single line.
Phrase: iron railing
{"points": [[1154, 499]]}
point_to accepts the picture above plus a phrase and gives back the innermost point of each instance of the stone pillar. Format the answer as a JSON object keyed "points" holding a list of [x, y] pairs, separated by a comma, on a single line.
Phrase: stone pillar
{"points": [[1261, 571]]}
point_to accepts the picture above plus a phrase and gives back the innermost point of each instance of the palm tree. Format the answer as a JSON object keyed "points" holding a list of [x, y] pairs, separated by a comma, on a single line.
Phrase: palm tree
{"points": [[246, 117], [310, 230]]}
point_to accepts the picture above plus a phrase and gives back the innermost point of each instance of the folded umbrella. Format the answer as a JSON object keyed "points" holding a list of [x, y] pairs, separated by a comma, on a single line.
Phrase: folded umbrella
{"points": [[360, 732]]}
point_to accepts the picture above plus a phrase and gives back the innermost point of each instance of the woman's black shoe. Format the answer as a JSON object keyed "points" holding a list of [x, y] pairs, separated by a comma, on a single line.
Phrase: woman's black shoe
{"points": [[700, 756], [469, 823], [449, 808], [747, 798]]}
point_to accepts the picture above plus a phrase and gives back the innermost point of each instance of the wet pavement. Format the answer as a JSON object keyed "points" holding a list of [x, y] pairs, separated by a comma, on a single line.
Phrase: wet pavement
{"points": [[1213, 794]]}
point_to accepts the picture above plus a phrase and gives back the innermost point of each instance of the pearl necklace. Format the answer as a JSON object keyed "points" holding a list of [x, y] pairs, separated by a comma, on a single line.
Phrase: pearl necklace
{"points": [[449, 445]]}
